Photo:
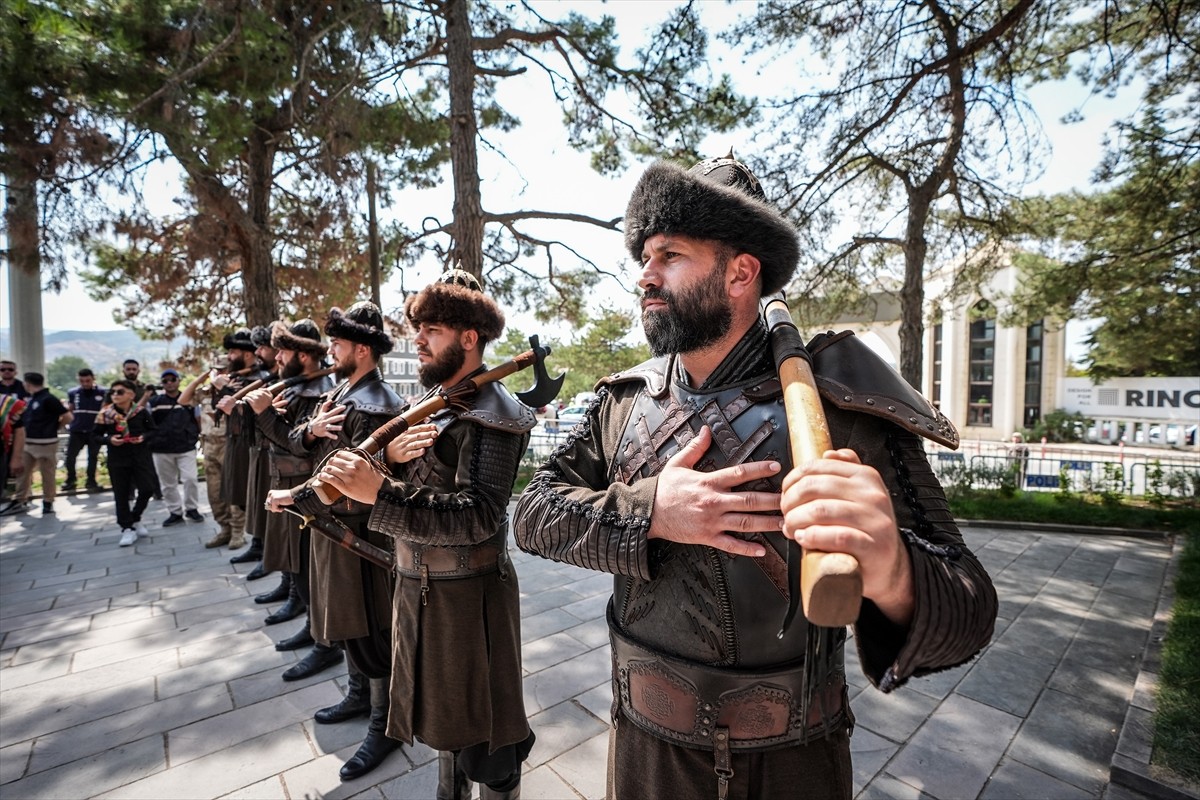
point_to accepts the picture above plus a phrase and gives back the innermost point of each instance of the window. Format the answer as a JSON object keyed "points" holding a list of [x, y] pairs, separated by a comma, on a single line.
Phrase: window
{"points": [[1034, 338], [982, 364]]}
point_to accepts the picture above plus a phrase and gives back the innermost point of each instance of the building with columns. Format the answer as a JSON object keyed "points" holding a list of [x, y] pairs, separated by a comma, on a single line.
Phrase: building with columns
{"points": [[988, 378]]}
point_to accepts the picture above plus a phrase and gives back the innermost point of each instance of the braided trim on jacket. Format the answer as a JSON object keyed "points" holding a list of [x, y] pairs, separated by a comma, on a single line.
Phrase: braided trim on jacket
{"points": [[904, 477], [555, 512]]}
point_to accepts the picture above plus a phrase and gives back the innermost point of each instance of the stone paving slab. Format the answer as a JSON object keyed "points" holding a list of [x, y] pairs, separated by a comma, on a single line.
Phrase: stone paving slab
{"points": [[147, 672]]}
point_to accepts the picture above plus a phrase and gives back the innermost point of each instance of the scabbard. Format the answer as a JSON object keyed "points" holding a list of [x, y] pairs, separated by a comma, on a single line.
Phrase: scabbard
{"points": [[337, 531]]}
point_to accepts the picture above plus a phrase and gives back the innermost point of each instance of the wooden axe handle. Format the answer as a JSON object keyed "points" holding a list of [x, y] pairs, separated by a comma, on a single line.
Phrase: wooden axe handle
{"points": [[830, 583]]}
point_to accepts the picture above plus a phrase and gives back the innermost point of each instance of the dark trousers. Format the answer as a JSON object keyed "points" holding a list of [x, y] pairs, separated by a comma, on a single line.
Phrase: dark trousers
{"points": [[643, 767], [77, 442], [127, 475]]}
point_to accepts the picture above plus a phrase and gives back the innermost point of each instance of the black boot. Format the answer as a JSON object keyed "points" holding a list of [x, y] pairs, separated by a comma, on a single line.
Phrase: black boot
{"points": [[513, 792], [356, 703], [293, 608], [321, 657], [453, 784], [301, 638], [251, 553], [280, 592], [258, 572], [377, 745]]}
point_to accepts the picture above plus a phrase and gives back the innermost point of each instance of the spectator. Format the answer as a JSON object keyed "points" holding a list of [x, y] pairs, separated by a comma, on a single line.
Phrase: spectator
{"points": [[123, 426], [173, 446], [84, 401], [12, 444], [43, 418]]}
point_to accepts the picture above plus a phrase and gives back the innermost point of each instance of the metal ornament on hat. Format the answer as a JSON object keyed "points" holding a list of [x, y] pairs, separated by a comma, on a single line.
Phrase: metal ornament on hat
{"points": [[457, 276]]}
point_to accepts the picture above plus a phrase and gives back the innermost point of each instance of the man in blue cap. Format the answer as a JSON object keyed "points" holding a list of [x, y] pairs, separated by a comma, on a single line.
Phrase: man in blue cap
{"points": [[174, 449]]}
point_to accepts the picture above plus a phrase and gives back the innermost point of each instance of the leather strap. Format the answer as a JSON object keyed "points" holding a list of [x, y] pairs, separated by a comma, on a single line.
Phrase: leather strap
{"points": [[432, 562]]}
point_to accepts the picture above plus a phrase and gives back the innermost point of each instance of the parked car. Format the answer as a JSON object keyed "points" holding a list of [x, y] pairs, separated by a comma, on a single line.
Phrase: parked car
{"points": [[570, 416]]}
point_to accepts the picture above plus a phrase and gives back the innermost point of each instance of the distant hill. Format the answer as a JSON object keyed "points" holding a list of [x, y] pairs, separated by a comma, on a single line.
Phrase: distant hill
{"points": [[105, 350]]}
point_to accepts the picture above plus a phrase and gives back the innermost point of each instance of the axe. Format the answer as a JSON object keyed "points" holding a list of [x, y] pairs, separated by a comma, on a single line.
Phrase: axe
{"points": [[544, 390], [830, 584]]}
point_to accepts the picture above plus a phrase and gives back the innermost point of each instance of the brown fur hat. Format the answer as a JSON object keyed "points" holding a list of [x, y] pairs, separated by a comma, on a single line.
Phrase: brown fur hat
{"points": [[457, 300], [303, 335], [361, 323], [718, 199]]}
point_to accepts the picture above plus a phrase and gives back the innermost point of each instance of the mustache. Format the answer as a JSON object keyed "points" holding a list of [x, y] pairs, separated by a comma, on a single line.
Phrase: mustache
{"points": [[656, 293]]}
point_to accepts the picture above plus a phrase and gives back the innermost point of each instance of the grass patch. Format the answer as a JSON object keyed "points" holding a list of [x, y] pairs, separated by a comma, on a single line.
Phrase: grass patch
{"points": [[1177, 721], [1074, 509]]}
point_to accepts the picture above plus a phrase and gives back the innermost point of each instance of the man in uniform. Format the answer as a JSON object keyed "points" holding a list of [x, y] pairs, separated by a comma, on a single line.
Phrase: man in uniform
{"points": [[299, 351], [235, 472], [672, 483], [258, 465], [203, 394], [85, 401], [350, 599], [456, 673]]}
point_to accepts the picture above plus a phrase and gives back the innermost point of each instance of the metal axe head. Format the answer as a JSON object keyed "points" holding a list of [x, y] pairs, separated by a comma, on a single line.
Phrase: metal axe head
{"points": [[544, 387]]}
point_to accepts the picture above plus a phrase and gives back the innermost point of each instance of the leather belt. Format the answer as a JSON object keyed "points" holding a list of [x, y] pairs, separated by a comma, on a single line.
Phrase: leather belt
{"points": [[710, 708], [289, 466], [415, 560]]}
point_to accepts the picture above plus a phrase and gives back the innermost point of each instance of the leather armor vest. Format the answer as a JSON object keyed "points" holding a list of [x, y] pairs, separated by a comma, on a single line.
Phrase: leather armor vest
{"points": [[704, 604]]}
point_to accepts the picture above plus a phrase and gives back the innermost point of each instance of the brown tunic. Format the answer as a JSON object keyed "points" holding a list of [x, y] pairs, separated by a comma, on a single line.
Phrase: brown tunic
{"points": [[346, 603], [456, 668]]}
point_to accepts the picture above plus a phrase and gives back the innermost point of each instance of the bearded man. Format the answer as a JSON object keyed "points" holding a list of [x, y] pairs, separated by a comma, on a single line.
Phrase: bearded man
{"points": [[350, 598], [456, 676], [298, 351], [672, 482], [235, 462]]}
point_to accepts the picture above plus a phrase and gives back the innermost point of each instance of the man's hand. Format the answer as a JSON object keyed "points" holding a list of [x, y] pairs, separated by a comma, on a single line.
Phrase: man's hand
{"points": [[699, 507], [116, 439], [218, 379], [327, 422], [226, 404], [837, 504], [352, 475], [280, 403], [278, 498], [259, 400], [412, 443]]}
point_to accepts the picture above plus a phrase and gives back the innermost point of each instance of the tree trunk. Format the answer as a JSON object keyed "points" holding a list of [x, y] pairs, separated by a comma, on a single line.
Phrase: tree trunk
{"points": [[466, 248], [24, 255], [258, 271], [912, 294]]}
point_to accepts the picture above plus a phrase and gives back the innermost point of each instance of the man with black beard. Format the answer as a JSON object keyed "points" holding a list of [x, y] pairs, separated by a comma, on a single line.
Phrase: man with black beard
{"points": [[299, 351], [239, 350], [679, 481], [350, 598], [257, 466], [456, 673]]}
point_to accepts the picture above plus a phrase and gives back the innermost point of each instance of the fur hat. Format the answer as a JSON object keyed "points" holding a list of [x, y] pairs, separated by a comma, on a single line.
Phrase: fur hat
{"points": [[718, 199], [457, 300], [361, 323], [261, 336], [239, 340], [302, 335]]}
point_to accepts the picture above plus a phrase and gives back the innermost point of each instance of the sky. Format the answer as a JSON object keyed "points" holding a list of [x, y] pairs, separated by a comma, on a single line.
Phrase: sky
{"points": [[551, 174]]}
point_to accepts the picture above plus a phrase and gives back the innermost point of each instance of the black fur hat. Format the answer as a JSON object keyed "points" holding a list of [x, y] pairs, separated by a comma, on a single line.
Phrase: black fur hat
{"points": [[457, 300], [362, 323], [302, 335], [239, 340], [261, 336], [718, 199]]}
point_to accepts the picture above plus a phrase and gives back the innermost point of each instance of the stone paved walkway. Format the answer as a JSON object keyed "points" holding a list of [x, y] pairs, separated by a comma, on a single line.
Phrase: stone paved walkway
{"points": [[146, 672]]}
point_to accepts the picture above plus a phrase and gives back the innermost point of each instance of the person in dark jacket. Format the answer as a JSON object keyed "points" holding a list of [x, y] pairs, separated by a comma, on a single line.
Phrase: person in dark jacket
{"points": [[124, 426], [85, 402], [456, 663], [679, 483], [43, 418], [350, 608], [173, 448]]}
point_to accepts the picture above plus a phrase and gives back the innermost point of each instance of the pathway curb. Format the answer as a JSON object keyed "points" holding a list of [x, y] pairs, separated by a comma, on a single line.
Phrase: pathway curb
{"points": [[1131, 760]]}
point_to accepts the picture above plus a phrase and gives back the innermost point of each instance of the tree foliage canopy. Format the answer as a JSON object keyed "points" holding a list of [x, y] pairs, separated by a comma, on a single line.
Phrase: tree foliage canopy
{"points": [[1129, 253]]}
